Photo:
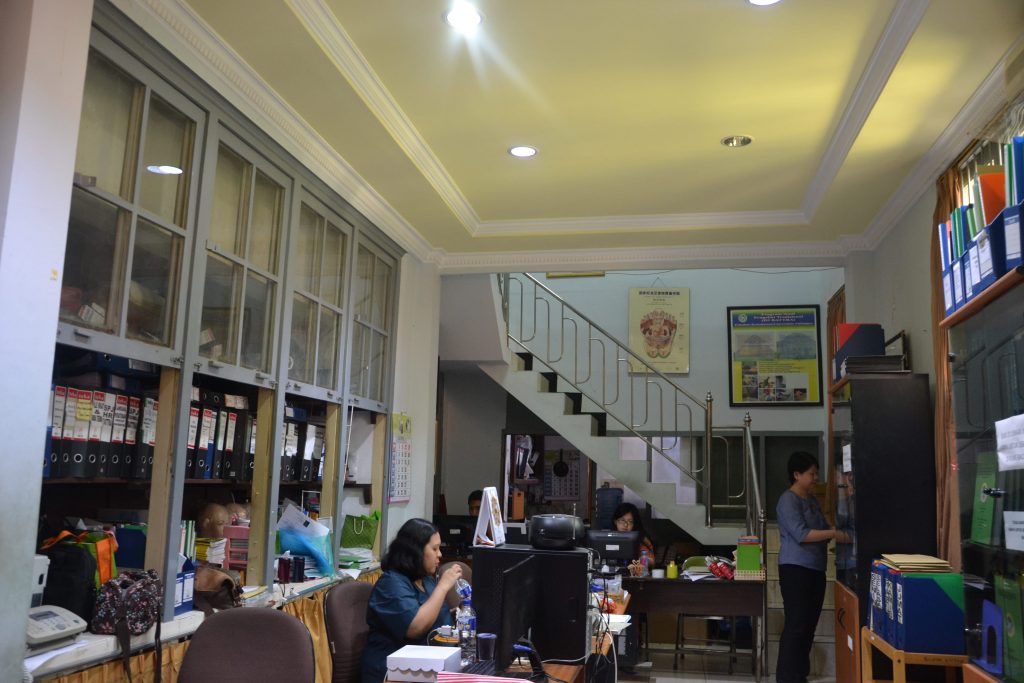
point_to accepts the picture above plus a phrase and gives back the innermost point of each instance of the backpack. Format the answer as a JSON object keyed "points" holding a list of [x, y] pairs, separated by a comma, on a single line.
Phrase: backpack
{"points": [[71, 579], [128, 605]]}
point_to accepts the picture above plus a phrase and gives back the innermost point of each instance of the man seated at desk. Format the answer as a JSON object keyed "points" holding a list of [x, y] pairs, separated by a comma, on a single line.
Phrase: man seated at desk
{"points": [[474, 502]]}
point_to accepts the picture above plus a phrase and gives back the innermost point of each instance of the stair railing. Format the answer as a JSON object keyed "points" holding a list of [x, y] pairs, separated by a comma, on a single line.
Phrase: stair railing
{"points": [[622, 384]]}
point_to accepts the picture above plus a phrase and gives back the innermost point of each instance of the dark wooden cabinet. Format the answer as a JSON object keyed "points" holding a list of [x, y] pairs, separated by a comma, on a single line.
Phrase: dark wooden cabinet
{"points": [[884, 473]]}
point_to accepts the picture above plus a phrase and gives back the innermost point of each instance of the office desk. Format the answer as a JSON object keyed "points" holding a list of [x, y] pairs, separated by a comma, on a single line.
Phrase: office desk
{"points": [[708, 597]]}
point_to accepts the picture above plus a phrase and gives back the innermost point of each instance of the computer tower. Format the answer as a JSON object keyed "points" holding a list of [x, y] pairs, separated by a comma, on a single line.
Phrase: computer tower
{"points": [[560, 627]]}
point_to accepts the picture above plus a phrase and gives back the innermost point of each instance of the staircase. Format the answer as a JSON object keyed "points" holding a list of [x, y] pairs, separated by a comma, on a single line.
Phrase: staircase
{"points": [[596, 393]]}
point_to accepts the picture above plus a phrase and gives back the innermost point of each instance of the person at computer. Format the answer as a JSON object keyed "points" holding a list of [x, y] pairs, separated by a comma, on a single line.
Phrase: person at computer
{"points": [[408, 602], [627, 518], [474, 501], [803, 545]]}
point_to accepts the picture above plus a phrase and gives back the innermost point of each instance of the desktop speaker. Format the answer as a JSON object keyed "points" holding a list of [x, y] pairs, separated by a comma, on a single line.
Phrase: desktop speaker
{"points": [[555, 532]]}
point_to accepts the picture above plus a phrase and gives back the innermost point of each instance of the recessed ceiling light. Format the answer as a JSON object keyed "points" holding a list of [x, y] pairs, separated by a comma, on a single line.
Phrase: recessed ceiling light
{"points": [[463, 17], [164, 170], [763, 2], [737, 140], [522, 151]]}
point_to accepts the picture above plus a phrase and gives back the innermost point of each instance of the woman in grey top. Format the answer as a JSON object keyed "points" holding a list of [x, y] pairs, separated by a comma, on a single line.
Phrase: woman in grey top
{"points": [[803, 543]]}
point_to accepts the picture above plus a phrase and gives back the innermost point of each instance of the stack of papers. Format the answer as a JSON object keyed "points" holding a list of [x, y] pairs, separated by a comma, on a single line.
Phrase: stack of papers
{"points": [[616, 623], [916, 563], [210, 550]]}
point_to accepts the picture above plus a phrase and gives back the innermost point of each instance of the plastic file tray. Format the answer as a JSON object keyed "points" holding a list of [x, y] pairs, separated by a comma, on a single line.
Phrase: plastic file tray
{"points": [[236, 550]]}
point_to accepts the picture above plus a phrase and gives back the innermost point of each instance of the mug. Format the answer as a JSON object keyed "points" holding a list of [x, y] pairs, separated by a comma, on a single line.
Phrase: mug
{"points": [[657, 573]]}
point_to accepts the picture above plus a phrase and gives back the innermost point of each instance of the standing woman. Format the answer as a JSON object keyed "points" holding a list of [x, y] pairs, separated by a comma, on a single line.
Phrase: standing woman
{"points": [[407, 602], [803, 545]]}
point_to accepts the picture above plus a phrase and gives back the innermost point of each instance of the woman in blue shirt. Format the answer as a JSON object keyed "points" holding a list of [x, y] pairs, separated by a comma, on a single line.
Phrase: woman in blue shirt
{"points": [[407, 603], [803, 544]]}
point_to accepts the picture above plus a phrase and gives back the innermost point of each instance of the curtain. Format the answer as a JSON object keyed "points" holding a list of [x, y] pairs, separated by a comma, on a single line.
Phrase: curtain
{"points": [[947, 499], [143, 666], [309, 610]]}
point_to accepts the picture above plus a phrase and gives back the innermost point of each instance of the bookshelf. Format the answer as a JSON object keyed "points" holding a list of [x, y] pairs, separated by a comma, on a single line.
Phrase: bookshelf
{"points": [[243, 275], [987, 362]]}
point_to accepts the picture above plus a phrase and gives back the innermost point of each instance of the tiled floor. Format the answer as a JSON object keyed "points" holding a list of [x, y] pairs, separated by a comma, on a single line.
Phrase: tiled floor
{"points": [[696, 669]]}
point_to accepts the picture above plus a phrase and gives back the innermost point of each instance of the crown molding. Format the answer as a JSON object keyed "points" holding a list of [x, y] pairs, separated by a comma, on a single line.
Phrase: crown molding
{"points": [[645, 223], [965, 126], [321, 23], [706, 256], [903, 22], [178, 29]]}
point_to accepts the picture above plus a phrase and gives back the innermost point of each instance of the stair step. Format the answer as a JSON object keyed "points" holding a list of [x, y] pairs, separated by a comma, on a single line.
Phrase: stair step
{"points": [[552, 379], [527, 359]]}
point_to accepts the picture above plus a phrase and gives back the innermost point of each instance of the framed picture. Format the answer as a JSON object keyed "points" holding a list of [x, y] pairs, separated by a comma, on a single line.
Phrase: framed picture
{"points": [[774, 356]]}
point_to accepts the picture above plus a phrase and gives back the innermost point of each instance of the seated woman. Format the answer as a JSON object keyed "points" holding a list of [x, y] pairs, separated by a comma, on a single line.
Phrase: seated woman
{"points": [[407, 603], [627, 518]]}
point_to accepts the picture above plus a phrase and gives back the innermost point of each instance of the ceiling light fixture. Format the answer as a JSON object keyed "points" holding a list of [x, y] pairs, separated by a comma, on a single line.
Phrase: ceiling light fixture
{"points": [[522, 151], [763, 3], [463, 17], [737, 140], [164, 170]]}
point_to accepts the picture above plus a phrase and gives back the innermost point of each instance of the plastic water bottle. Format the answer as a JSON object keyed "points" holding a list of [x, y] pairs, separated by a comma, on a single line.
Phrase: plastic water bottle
{"points": [[464, 589], [465, 619], [645, 562]]}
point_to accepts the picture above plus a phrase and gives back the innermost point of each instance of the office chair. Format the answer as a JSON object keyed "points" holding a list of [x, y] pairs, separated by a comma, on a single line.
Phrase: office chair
{"points": [[249, 644], [452, 598], [345, 619]]}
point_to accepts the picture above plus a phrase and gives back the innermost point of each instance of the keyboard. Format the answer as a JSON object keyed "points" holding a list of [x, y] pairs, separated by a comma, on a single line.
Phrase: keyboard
{"points": [[487, 669]]}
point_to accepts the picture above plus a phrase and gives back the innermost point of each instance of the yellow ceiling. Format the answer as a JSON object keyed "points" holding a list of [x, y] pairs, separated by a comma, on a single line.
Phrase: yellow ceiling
{"points": [[627, 102]]}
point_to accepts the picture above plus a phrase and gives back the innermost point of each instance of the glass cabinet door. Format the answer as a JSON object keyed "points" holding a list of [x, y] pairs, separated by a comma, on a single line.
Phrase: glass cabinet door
{"points": [[130, 202], [243, 260], [987, 356], [320, 254], [373, 286]]}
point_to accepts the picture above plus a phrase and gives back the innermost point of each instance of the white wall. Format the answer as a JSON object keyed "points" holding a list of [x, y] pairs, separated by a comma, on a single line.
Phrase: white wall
{"points": [[416, 340], [43, 49], [473, 419], [892, 284], [606, 301]]}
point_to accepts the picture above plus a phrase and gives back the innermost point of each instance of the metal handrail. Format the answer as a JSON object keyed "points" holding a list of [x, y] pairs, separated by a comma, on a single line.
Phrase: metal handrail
{"points": [[596, 337]]}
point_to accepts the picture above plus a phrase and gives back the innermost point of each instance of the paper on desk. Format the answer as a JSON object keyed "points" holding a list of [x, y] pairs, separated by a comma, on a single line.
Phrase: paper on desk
{"points": [[354, 573], [35, 661], [293, 519]]}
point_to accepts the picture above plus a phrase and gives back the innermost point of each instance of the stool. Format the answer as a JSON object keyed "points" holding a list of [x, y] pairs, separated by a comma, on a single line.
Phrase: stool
{"points": [[681, 638], [900, 659]]}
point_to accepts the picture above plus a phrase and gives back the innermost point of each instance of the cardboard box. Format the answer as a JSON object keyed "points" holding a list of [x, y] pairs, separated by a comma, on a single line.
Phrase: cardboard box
{"points": [[184, 588], [422, 662]]}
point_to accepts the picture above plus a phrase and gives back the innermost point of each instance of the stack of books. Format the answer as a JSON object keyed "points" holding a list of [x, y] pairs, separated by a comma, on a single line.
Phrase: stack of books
{"points": [[861, 364], [916, 563], [210, 550]]}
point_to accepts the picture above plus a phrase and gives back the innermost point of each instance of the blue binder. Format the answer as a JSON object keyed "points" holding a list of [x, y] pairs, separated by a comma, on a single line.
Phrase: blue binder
{"points": [[929, 613]]}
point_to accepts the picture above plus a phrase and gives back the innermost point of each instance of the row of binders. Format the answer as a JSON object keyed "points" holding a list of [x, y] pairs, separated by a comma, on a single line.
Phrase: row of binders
{"points": [[981, 242], [221, 437], [93, 433], [917, 604], [302, 447]]}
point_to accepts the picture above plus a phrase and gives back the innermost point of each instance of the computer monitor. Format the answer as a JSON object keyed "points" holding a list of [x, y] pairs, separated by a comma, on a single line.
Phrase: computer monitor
{"points": [[517, 607], [456, 532], [614, 545]]}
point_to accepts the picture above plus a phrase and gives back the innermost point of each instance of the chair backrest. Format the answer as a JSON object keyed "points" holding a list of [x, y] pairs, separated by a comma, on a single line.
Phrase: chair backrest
{"points": [[345, 619], [452, 599], [249, 644]]}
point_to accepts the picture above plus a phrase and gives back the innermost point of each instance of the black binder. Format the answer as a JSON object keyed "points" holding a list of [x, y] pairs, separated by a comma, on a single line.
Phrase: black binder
{"points": [[115, 463], [78, 465]]}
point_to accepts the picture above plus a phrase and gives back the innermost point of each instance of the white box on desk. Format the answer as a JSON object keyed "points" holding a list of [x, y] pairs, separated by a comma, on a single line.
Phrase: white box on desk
{"points": [[422, 662]]}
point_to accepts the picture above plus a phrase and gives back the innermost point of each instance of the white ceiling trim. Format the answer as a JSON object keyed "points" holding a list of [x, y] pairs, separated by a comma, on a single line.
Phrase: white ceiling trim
{"points": [[175, 26], [902, 24], [335, 42], [707, 256], [965, 126], [643, 222]]}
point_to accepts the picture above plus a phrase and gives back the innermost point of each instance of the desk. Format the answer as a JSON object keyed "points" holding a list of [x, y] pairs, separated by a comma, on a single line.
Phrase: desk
{"points": [[708, 597]]}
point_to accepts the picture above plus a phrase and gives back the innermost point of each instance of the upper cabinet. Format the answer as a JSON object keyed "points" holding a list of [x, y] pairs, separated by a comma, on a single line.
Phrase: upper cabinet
{"points": [[373, 287], [244, 259], [319, 267], [132, 206]]}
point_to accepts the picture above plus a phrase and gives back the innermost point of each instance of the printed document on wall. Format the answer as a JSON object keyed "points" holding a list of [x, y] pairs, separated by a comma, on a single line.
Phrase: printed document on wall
{"points": [[1010, 443]]}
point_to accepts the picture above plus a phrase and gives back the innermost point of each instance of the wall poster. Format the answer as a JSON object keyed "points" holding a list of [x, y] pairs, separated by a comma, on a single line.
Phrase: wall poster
{"points": [[401, 458], [775, 356], [659, 328]]}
